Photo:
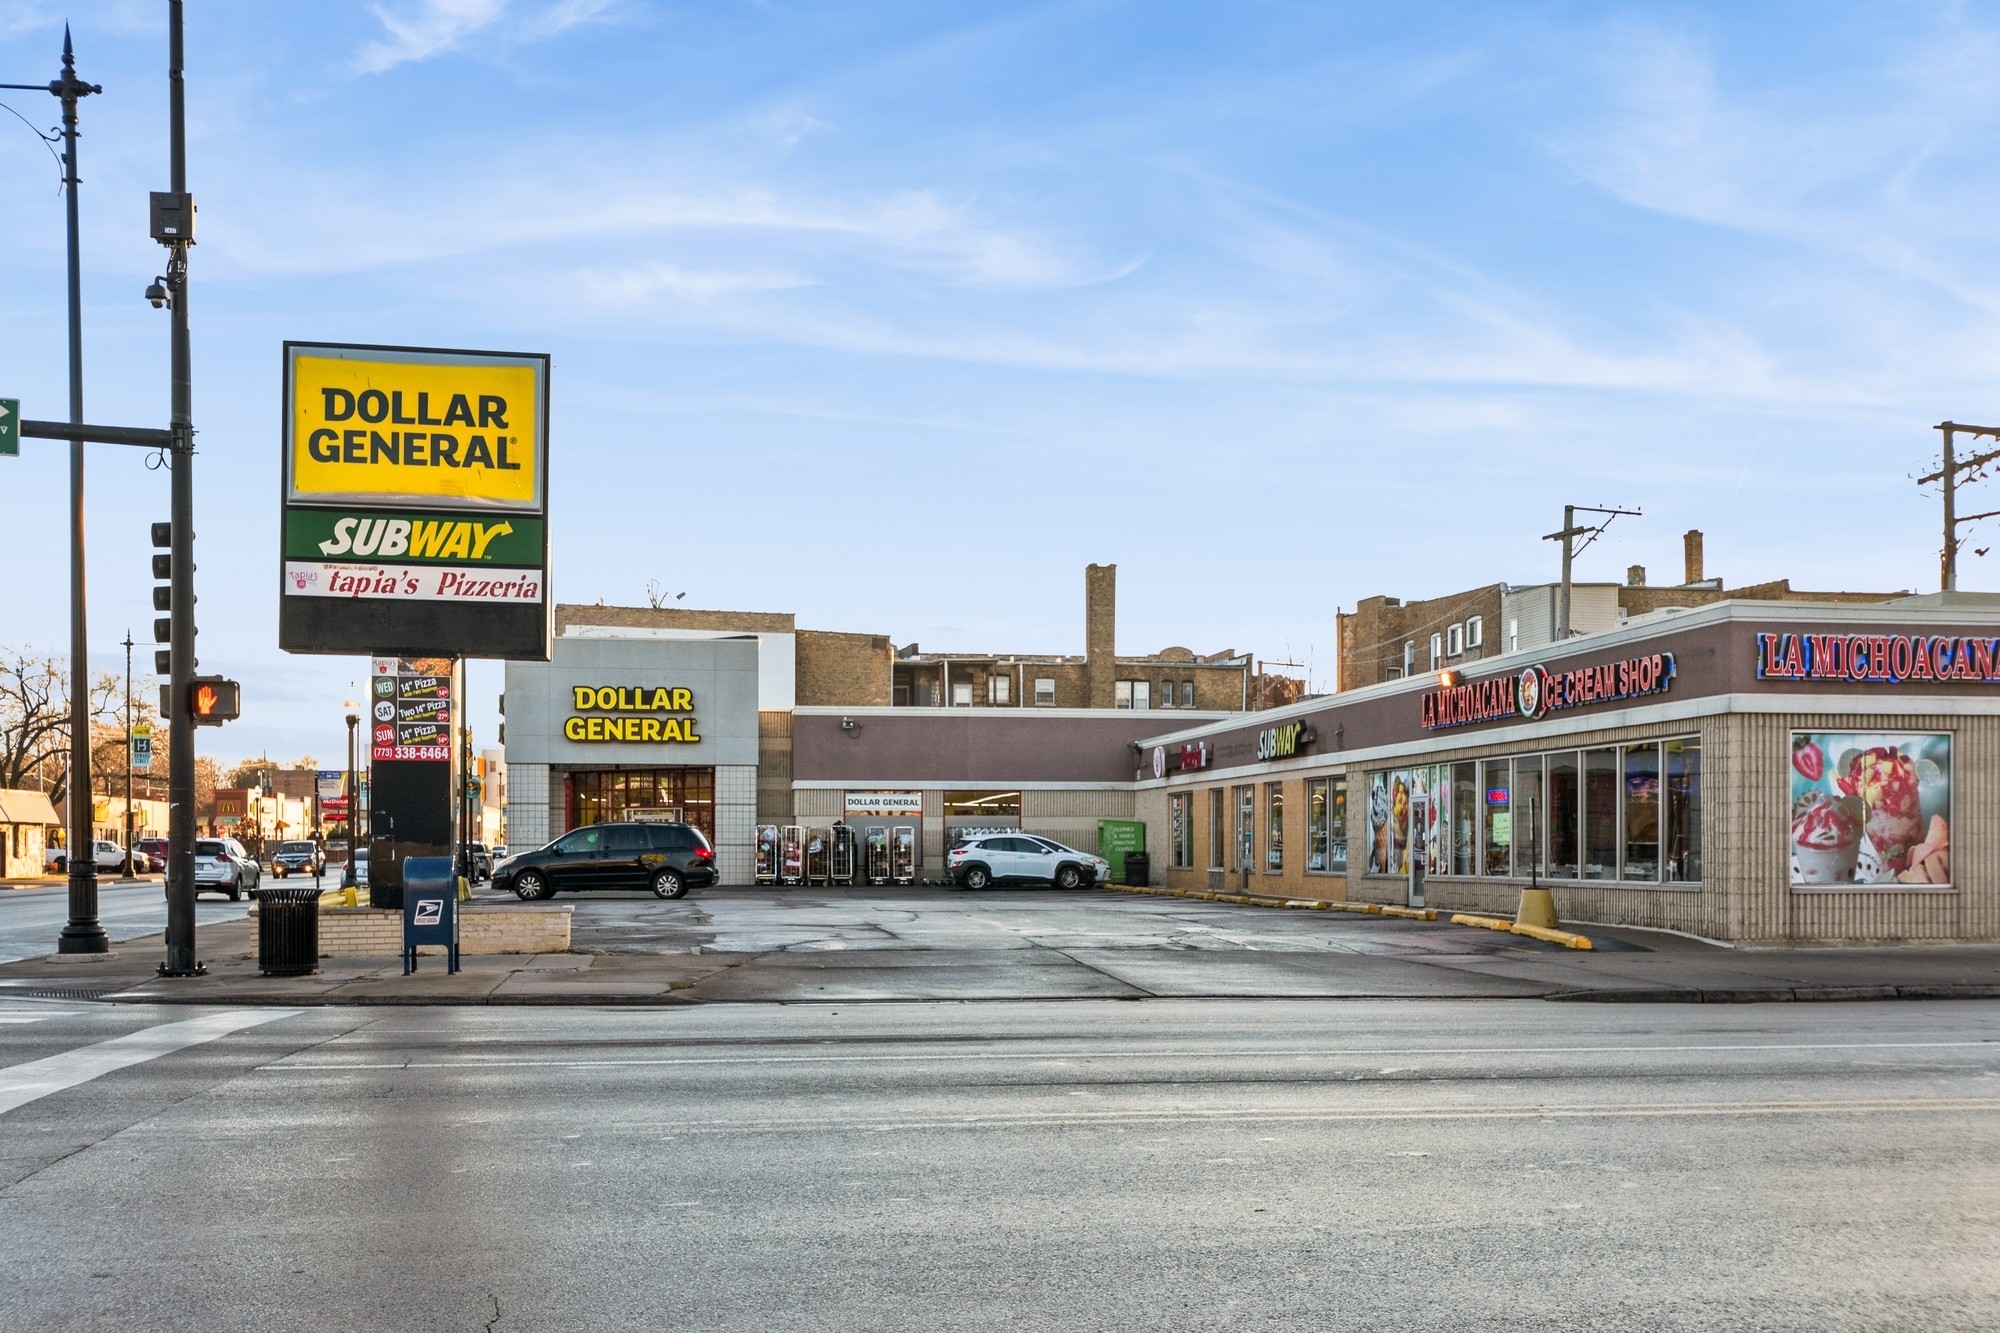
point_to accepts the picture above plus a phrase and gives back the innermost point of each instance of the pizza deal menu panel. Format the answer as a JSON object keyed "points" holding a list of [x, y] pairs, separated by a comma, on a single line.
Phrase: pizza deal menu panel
{"points": [[411, 708]]}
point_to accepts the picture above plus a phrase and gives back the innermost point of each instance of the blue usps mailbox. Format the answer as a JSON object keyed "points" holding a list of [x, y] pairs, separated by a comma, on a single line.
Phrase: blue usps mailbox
{"points": [[430, 909]]}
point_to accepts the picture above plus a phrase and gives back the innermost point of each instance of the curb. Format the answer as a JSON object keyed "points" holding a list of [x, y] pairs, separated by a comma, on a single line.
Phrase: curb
{"points": [[1770, 994], [1567, 939], [1264, 900]]}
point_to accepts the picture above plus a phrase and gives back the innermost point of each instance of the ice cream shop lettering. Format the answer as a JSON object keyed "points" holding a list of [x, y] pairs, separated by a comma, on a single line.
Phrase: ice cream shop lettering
{"points": [[1886, 658]]}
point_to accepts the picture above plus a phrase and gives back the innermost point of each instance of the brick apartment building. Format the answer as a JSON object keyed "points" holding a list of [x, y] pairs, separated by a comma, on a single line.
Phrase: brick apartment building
{"points": [[1386, 638]]}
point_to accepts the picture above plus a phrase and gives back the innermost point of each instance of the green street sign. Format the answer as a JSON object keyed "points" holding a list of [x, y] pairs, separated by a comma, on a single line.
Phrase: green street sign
{"points": [[10, 427]]}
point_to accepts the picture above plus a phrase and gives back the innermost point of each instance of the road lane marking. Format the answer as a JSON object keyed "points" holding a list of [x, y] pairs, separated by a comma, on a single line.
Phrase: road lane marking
{"points": [[24, 1083], [8, 1016], [941, 1057]]}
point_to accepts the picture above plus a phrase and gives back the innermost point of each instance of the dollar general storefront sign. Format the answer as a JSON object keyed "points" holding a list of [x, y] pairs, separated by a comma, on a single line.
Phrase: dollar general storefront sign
{"points": [[640, 707], [415, 500]]}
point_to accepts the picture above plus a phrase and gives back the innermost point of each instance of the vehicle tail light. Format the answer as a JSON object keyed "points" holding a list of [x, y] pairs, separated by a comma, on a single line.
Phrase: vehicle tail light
{"points": [[703, 854]]}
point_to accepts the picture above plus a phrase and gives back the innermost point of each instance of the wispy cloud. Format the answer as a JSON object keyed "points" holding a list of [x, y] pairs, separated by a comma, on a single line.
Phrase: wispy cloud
{"points": [[647, 281], [428, 28]]}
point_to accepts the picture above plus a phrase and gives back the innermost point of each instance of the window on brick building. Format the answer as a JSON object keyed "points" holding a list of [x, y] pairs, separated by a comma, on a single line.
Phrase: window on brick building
{"points": [[1166, 694], [1437, 651], [1134, 694], [1045, 692], [1454, 641], [999, 689], [1187, 694], [1475, 631]]}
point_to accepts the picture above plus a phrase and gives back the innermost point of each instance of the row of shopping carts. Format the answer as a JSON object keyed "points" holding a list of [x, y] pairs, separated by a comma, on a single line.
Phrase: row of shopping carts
{"points": [[802, 854]]}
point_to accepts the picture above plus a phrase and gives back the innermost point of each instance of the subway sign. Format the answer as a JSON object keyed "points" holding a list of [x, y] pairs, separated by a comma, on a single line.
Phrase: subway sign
{"points": [[415, 485], [1283, 742], [631, 713], [1891, 659]]}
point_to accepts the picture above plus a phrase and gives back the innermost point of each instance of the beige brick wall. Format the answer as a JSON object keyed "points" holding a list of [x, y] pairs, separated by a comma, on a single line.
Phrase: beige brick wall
{"points": [[647, 617], [843, 670], [366, 932]]}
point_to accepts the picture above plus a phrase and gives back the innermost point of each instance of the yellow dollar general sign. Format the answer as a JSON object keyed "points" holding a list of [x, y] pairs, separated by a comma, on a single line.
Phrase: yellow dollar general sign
{"points": [[385, 426]]}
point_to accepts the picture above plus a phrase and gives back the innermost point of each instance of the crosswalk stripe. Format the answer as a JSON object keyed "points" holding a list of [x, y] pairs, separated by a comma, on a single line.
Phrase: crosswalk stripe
{"points": [[24, 1083]]}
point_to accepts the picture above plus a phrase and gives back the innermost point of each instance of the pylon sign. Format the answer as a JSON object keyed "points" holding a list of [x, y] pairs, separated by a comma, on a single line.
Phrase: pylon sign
{"points": [[10, 427], [415, 497]]}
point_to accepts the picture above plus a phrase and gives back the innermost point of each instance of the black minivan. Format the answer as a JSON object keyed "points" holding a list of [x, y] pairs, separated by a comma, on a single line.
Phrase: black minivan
{"points": [[669, 859]]}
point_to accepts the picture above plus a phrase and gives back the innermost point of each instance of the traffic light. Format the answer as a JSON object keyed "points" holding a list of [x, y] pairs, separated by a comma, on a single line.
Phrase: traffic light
{"points": [[212, 701], [163, 598]]}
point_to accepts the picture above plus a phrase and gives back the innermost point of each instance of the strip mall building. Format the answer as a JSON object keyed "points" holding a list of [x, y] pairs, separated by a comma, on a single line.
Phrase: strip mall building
{"points": [[1747, 771]]}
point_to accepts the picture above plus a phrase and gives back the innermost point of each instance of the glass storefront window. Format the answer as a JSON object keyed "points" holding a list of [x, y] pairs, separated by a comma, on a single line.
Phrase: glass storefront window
{"points": [[1465, 816], [1317, 831], [1600, 814], [1531, 806], [1336, 823], [1641, 863], [1496, 784], [1682, 825], [1274, 826], [1181, 835], [968, 811], [1217, 844], [1246, 828], [683, 794], [1565, 792]]}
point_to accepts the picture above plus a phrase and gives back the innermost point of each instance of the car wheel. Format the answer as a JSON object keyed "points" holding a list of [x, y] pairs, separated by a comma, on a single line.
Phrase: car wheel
{"points": [[530, 887], [669, 884], [977, 877], [236, 889], [1069, 877]]}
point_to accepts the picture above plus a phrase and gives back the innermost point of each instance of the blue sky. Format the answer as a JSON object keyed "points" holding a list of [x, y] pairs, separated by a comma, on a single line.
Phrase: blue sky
{"points": [[895, 316]]}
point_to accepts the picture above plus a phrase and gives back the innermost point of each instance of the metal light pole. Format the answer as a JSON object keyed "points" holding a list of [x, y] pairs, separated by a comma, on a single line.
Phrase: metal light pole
{"points": [[128, 754], [347, 880], [181, 961], [83, 933], [1570, 532]]}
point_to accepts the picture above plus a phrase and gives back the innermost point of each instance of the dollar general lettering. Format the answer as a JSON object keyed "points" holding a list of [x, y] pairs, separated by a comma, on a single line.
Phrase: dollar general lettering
{"points": [[631, 699], [384, 426]]}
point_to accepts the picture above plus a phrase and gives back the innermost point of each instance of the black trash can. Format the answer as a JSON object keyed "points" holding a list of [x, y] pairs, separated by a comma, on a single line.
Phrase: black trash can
{"points": [[287, 931], [1138, 870]]}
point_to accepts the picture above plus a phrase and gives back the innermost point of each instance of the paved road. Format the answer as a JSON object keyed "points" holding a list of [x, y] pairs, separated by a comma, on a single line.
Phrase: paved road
{"points": [[31, 919], [1175, 1164]]}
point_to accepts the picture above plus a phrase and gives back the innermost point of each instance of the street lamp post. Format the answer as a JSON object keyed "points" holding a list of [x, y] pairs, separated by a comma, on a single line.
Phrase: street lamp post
{"points": [[83, 933], [347, 880], [128, 754]]}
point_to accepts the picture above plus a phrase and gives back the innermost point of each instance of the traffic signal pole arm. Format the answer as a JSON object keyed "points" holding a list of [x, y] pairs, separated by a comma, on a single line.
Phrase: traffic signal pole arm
{"points": [[144, 437]]}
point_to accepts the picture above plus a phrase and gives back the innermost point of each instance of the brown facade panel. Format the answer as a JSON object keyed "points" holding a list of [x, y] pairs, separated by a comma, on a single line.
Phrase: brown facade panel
{"points": [[837, 670]]}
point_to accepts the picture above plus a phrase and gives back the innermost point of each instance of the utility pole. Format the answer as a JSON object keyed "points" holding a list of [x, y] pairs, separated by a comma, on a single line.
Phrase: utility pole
{"points": [[1570, 532], [1949, 474], [83, 933], [128, 754], [180, 961]]}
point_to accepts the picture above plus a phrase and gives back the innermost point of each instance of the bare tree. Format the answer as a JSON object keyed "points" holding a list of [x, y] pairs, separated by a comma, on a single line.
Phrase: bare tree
{"points": [[34, 719]]}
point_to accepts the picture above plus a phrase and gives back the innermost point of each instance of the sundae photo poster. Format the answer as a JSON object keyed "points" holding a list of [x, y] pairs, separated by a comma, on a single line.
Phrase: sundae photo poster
{"points": [[1871, 808]]}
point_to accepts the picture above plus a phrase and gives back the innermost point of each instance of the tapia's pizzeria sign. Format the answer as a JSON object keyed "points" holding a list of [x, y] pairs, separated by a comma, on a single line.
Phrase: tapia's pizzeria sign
{"points": [[1538, 691]]}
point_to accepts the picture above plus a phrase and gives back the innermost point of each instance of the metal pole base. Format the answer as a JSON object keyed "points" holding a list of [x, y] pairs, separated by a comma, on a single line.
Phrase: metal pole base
{"points": [[198, 970], [84, 933], [1537, 908]]}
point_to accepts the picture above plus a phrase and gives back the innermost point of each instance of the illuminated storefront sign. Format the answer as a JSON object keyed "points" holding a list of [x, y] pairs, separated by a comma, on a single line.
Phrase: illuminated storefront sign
{"points": [[1538, 691], [1283, 742], [1884, 658], [638, 708]]}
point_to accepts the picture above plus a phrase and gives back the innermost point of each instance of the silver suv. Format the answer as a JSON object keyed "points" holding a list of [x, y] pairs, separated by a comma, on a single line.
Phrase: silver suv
{"points": [[1022, 858]]}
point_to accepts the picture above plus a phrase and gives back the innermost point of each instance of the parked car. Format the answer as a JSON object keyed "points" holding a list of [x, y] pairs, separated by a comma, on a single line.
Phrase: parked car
{"points": [[1022, 858], [155, 850], [361, 866], [108, 856], [476, 864], [669, 859], [222, 866], [298, 858]]}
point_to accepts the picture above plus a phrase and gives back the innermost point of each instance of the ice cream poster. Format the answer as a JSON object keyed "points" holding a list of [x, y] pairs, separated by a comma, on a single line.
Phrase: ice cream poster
{"points": [[1871, 808]]}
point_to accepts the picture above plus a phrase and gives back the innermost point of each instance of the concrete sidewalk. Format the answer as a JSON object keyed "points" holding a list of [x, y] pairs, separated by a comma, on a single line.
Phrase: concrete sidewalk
{"points": [[1425, 960]]}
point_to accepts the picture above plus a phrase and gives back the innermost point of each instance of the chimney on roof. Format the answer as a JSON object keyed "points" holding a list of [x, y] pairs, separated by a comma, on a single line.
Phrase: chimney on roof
{"points": [[1691, 545], [1100, 633], [1635, 576]]}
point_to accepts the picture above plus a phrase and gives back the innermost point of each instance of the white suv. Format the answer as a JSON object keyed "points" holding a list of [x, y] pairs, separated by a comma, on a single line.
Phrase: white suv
{"points": [[999, 858]]}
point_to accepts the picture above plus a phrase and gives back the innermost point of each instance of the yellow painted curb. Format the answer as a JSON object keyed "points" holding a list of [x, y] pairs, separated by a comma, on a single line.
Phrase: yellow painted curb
{"points": [[1412, 913], [1562, 937], [1486, 922]]}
